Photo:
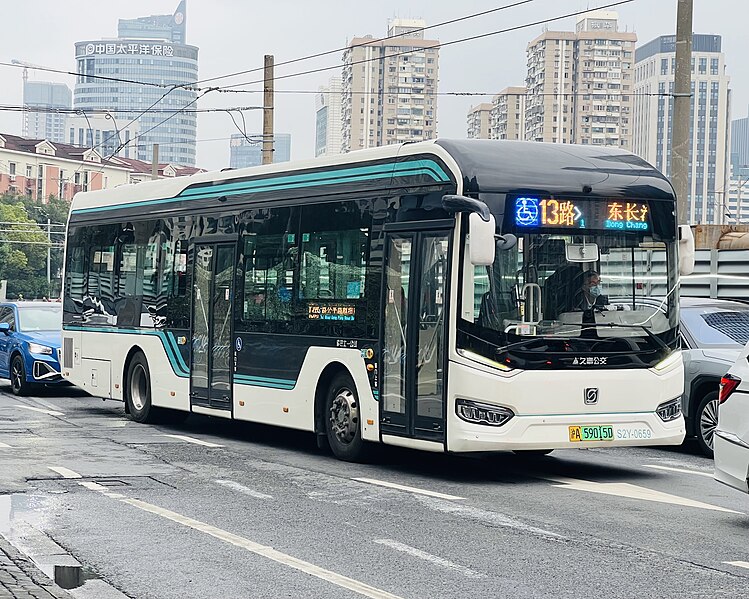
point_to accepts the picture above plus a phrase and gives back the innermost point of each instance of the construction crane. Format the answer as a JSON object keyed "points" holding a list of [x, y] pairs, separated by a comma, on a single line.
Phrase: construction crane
{"points": [[26, 66]]}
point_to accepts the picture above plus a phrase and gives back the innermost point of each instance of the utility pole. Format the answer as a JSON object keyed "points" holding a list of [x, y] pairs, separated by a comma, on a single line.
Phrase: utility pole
{"points": [[681, 121], [268, 110], [49, 258], [155, 162]]}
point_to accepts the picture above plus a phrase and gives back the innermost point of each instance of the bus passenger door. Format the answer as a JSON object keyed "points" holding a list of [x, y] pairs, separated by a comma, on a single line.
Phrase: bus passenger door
{"points": [[415, 335], [212, 319]]}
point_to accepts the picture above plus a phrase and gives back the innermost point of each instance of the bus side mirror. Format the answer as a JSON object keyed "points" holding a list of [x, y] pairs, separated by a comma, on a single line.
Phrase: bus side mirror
{"points": [[686, 250], [482, 245], [5, 328]]}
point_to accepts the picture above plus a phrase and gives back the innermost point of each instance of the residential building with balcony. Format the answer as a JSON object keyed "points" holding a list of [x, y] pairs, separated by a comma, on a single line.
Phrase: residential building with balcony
{"points": [[389, 87]]}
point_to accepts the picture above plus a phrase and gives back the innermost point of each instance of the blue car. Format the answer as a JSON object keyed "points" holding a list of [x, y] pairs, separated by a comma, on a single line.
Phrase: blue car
{"points": [[29, 342]]}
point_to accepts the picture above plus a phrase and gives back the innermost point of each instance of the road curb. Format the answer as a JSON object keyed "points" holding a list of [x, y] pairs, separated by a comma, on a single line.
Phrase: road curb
{"points": [[21, 578]]}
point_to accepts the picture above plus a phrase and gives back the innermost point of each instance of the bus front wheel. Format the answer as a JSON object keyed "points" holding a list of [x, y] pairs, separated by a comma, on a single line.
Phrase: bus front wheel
{"points": [[138, 395], [342, 420]]}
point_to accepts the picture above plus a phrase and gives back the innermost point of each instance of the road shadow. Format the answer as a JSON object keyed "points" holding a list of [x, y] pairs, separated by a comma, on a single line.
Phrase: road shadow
{"points": [[467, 469]]}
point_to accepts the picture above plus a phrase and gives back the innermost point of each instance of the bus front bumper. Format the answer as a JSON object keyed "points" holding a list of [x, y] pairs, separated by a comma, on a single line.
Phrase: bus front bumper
{"points": [[554, 432]]}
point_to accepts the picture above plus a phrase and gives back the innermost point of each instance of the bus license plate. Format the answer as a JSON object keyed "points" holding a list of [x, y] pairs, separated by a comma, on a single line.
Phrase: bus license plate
{"points": [[604, 432]]}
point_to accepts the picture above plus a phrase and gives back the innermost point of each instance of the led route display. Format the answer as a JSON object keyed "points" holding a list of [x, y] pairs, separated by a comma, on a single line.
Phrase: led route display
{"points": [[622, 215]]}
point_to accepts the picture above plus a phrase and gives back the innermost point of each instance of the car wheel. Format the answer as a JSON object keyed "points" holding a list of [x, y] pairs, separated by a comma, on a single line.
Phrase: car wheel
{"points": [[18, 383], [707, 422], [342, 420], [138, 390]]}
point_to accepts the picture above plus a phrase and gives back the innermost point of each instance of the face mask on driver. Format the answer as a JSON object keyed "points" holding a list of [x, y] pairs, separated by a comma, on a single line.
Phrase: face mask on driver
{"points": [[595, 291]]}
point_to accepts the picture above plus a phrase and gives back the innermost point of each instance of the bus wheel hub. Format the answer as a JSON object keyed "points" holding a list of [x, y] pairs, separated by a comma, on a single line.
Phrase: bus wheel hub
{"points": [[344, 416]]}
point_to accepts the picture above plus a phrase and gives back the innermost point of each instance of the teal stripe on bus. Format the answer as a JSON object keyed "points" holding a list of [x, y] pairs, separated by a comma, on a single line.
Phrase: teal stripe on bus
{"points": [[410, 168], [173, 354], [263, 381], [422, 166], [265, 378], [267, 384]]}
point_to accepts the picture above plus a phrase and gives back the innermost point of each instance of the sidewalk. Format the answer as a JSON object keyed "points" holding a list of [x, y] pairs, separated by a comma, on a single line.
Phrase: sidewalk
{"points": [[21, 579]]}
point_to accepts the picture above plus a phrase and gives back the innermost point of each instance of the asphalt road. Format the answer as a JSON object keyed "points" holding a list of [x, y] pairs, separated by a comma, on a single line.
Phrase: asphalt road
{"points": [[218, 509]]}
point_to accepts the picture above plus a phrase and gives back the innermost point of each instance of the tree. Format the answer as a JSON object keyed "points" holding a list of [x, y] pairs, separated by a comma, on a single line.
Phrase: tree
{"points": [[23, 252], [34, 215]]}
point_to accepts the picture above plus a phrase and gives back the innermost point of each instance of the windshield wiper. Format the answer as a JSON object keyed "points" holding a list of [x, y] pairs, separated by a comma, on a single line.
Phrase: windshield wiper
{"points": [[583, 327], [650, 333]]}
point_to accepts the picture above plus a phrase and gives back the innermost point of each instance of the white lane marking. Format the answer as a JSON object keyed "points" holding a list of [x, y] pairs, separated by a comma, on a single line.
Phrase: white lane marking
{"points": [[40, 410], [382, 483], [738, 564], [64, 472], [193, 440], [684, 470], [5, 446], [101, 489], [253, 547], [486, 516], [633, 492], [242, 489], [436, 560]]}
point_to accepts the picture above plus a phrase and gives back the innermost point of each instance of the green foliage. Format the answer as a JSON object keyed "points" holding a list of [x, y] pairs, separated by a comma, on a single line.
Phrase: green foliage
{"points": [[23, 249]]}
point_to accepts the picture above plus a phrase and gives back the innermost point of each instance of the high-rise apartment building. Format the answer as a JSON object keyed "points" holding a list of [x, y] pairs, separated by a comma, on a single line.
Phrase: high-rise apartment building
{"points": [[390, 87], [507, 117], [710, 133], [43, 99], [245, 151], [478, 121], [579, 84], [550, 84], [151, 50], [740, 142], [328, 119], [734, 202]]}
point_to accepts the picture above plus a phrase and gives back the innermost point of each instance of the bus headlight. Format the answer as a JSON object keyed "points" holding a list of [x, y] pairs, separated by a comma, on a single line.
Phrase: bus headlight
{"points": [[482, 413], [668, 361], [670, 410]]}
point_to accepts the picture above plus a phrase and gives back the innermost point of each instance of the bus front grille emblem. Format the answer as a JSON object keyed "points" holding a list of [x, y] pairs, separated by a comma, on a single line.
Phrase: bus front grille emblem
{"points": [[591, 396]]}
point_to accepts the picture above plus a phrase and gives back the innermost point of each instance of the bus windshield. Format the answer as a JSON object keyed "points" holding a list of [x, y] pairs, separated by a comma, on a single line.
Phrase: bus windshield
{"points": [[570, 297]]}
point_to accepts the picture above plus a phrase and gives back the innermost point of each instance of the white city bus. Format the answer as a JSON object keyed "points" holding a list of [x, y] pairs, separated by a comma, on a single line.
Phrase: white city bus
{"points": [[442, 295]]}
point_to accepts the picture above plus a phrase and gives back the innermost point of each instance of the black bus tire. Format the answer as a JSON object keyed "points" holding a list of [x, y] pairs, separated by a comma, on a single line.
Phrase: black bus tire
{"points": [[138, 390], [343, 420]]}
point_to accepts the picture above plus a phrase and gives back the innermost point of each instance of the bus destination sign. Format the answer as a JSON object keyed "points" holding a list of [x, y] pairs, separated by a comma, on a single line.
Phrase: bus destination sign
{"points": [[557, 213]]}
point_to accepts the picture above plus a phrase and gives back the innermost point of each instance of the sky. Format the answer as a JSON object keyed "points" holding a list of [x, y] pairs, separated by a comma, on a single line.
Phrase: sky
{"points": [[233, 35]]}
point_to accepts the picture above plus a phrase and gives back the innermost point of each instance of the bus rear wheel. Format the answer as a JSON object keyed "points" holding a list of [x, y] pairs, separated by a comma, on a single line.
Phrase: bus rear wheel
{"points": [[138, 390], [342, 420]]}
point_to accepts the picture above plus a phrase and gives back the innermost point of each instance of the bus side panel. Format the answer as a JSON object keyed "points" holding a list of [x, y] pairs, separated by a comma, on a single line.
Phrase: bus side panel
{"points": [[168, 390], [295, 408]]}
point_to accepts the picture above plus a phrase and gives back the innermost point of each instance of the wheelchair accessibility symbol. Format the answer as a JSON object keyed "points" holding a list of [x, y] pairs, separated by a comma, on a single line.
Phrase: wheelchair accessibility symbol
{"points": [[238, 344]]}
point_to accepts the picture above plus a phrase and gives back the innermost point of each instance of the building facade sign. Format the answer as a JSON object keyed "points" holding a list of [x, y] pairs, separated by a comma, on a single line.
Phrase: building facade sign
{"points": [[91, 49]]}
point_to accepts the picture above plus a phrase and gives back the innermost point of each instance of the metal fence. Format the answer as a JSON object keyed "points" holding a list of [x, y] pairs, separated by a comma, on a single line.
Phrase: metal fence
{"points": [[720, 274]]}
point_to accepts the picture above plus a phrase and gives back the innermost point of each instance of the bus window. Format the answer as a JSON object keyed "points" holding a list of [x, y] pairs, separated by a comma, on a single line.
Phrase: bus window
{"points": [[174, 272], [269, 249]]}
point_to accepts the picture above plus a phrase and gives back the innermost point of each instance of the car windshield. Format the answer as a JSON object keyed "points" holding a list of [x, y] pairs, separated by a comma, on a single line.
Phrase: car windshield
{"points": [[42, 318], [718, 325]]}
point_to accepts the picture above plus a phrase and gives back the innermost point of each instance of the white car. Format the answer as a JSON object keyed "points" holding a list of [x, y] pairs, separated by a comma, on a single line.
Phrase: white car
{"points": [[731, 440]]}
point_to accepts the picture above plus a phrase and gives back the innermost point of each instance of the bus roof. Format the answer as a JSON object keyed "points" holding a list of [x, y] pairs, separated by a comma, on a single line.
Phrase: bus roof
{"points": [[555, 169], [476, 165]]}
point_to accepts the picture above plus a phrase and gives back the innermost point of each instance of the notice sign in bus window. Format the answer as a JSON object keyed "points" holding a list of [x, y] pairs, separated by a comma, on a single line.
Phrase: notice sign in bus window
{"points": [[331, 312], [563, 213]]}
